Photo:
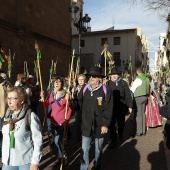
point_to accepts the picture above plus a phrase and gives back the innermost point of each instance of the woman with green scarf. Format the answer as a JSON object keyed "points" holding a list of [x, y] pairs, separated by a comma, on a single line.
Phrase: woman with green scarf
{"points": [[22, 138]]}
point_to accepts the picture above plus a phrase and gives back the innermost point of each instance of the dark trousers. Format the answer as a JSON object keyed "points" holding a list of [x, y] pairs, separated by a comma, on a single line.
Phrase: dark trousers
{"points": [[78, 117], [118, 122], [140, 116]]}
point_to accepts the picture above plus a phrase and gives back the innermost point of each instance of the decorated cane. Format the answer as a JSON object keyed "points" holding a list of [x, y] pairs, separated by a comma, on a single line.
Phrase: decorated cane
{"points": [[106, 55], [9, 64], [36, 70], [66, 111], [1, 58], [130, 67], [39, 71], [51, 72], [26, 71]]}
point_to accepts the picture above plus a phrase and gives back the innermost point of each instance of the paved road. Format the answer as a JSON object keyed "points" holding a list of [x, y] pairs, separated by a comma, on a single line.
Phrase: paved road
{"points": [[138, 153]]}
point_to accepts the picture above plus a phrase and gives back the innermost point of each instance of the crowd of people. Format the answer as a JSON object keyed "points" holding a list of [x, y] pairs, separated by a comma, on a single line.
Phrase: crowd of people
{"points": [[100, 105]]}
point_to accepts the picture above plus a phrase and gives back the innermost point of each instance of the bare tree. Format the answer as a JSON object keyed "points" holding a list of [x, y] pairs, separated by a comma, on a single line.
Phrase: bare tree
{"points": [[160, 6]]}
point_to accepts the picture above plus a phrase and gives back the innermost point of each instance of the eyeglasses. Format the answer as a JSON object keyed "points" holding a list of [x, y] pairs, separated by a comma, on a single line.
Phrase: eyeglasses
{"points": [[12, 99], [57, 82]]}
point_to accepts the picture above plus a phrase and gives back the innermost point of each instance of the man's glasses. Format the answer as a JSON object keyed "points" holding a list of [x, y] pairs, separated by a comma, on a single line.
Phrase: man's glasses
{"points": [[12, 99]]}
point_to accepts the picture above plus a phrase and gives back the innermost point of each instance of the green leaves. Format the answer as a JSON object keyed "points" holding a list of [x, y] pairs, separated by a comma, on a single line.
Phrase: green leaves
{"points": [[73, 56], [35, 69], [1, 60], [38, 54], [130, 65], [85, 71], [51, 70], [78, 60]]}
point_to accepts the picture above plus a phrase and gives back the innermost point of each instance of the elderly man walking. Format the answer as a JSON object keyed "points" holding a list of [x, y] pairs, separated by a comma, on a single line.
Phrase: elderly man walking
{"points": [[140, 88], [122, 102], [96, 104]]}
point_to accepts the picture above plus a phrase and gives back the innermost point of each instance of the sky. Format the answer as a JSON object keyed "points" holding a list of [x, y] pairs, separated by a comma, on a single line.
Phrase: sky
{"points": [[122, 15]]}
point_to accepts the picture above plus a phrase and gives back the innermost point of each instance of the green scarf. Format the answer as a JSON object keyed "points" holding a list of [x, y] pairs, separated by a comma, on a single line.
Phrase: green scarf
{"points": [[142, 76], [9, 120]]}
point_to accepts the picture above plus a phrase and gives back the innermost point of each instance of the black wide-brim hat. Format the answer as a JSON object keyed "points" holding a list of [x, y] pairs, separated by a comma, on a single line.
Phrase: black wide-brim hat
{"points": [[114, 71], [95, 71]]}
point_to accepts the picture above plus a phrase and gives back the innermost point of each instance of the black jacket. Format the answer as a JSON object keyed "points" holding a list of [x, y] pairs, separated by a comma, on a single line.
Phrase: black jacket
{"points": [[93, 115], [121, 94]]}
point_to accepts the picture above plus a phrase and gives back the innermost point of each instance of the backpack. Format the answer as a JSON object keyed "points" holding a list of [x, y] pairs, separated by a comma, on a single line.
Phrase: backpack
{"points": [[104, 89], [28, 119]]}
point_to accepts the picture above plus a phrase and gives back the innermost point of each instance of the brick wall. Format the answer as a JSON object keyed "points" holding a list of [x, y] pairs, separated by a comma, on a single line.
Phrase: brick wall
{"points": [[48, 22]]}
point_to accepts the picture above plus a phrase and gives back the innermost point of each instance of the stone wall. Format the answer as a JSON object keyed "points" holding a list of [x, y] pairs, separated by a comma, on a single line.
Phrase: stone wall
{"points": [[47, 22]]}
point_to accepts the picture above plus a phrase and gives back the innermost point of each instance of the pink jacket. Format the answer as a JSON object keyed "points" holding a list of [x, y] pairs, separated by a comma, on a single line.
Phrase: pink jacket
{"points": [[58, 112]]}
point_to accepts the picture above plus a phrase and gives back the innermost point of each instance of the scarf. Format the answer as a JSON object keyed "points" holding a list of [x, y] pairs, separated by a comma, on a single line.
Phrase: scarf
{"points": [[11, 120], [91, 89], [58, 97], [117, 81], [9, 117]]}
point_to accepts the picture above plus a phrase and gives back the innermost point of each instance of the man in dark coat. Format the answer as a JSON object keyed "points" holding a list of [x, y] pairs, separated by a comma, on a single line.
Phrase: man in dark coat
{"points": [[165, 112], [122, 101], [96, 104]]}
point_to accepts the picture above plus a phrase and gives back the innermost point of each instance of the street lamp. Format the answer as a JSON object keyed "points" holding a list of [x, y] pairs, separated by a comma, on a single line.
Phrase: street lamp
{"points": [[83, 24]]}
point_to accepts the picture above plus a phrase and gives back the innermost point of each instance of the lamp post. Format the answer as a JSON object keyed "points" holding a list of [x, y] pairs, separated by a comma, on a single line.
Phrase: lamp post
{"points": [[83, 23]]}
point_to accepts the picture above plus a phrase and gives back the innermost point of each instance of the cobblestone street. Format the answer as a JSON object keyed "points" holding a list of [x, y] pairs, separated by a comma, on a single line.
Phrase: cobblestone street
{"points": [[138, 153]]}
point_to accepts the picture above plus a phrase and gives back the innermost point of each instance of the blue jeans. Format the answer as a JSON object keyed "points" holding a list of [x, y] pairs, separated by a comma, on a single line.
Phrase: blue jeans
{"points": [[58, 134], [21, 167], [86, 147]]}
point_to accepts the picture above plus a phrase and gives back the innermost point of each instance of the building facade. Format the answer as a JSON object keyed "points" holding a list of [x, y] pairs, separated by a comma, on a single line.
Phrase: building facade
{"points": [[160, 54], [123, 45], [23, 22]]}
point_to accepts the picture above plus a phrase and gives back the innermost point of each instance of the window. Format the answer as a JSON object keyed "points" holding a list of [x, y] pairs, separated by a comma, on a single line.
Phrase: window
{"points": [[116, 58], [116, 40], [103, 41], [82, 43]]}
